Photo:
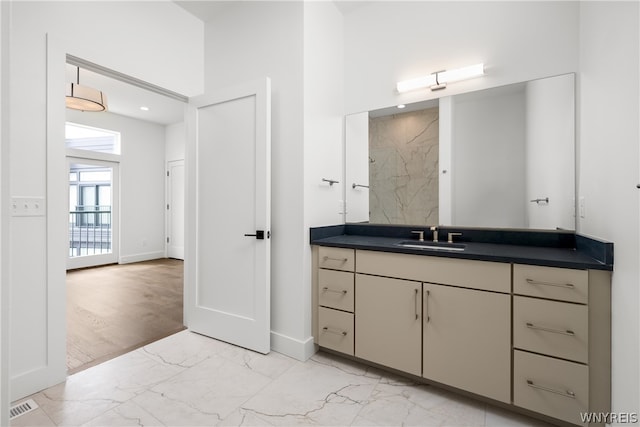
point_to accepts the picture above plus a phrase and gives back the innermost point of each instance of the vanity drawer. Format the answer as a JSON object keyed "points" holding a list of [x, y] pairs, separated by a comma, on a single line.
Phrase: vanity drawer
{"points": [[562, 284], [335, 289], [336, 258], [482, 275], [335, 330], [554, 328], [553, 387]]}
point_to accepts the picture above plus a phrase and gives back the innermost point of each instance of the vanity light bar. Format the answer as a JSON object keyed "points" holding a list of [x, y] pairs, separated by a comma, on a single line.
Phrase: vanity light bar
{"points": [[441, 78]]}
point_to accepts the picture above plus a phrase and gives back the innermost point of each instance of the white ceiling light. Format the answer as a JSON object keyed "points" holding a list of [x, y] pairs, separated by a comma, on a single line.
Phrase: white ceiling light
{"points": [[84, 98], [440, 79]]}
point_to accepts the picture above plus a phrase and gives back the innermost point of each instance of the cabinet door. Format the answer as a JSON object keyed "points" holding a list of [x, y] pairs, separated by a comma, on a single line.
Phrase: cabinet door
{"points": [[467, 339], [388, 322]]}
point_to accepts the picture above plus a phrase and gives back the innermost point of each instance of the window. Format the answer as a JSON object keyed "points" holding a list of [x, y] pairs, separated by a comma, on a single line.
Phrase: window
{"points": [[82, 137]]}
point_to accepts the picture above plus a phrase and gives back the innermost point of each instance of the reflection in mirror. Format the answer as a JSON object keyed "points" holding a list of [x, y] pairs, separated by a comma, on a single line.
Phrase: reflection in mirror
{"points": [[502, 157]]}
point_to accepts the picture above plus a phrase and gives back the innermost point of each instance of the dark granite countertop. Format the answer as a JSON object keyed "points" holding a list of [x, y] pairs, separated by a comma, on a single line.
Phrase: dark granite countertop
{"points": [[552, 249]]}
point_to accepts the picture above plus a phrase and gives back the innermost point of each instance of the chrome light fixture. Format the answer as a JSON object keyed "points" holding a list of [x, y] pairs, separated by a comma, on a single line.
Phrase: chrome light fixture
{"points": [[84, 98], [439, 80]]}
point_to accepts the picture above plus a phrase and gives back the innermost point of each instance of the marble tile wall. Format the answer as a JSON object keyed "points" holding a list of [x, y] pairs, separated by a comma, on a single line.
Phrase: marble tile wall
{"points": [[403, 173]]}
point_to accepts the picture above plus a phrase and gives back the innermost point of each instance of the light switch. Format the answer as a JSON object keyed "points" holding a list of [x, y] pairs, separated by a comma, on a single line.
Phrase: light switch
{"points": [[28, 206]]}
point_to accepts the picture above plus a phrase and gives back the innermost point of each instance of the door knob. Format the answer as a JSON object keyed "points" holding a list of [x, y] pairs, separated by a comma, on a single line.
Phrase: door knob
{"points": [[259, 235]]}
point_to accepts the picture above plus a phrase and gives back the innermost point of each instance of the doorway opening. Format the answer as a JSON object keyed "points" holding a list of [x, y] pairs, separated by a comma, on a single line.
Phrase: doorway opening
{"points": [[124, 282]]}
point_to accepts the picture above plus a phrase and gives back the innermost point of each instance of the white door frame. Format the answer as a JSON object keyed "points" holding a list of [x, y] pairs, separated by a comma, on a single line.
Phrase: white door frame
{"points": [[170, 193], [54, 369]]}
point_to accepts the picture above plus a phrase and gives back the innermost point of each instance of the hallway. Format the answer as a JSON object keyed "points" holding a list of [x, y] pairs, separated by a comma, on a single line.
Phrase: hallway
{"points": [[115, 309]]}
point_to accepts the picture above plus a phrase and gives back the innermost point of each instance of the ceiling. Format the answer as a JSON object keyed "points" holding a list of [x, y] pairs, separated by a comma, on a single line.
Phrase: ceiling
{"points": [[126, 99], [206, 10]]}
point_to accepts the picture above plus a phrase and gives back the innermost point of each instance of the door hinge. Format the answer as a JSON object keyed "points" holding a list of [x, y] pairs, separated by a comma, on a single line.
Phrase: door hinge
{"points": [[167, 206], [167, 240], [167, 173]]}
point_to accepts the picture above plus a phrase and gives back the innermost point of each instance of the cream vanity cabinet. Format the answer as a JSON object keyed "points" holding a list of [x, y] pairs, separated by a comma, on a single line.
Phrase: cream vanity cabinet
{"points": [[335, 299], [467, 340], [534, 337], [561, 341], [466, 318], [388, 322]]}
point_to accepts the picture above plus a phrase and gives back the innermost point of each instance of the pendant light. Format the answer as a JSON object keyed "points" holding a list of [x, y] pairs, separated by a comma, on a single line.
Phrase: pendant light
{"points": [[84, 98]]}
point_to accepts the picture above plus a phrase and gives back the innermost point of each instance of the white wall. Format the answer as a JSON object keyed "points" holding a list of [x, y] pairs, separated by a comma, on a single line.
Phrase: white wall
{"points": [[142, 183], [323, 113], [389, 41], [166, 50], [323, 135], [246, 41], [488, 159], [608, 127], [175, 138]]}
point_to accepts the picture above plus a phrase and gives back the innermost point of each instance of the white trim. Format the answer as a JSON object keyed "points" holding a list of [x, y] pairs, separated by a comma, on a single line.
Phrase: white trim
{"points": [[5, 253], [300, 350], [93, 155], [147, 256]]}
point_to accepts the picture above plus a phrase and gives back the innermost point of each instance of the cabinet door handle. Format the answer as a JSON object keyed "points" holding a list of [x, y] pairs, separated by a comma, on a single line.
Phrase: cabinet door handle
{"points": [[343, 292], [558, 285], [555, 331], [327, 258], [343, 333], [416, 304], [565, 393], [427, 318]]}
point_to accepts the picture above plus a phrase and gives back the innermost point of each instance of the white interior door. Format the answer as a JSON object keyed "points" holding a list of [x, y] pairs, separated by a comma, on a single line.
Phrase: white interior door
{"points": [[175, 209], [228, 200]]}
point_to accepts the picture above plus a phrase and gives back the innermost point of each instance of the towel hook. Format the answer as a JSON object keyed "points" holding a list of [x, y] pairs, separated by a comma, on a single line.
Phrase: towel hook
{"points": [[330, 181], [546, 200]]}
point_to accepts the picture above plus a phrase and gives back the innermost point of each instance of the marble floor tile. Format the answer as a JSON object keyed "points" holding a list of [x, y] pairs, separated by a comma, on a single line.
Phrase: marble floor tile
{"points": [[91, 392], [190, 380], [127, 414], [398, 401], [312, 393], [36, 417], [500, 417], [204, 394], [184, 349]]}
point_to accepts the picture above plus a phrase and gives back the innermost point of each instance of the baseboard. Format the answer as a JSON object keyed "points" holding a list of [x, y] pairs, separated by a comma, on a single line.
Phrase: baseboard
{"points": [[28, 383], [148, 256], [300, 350]]}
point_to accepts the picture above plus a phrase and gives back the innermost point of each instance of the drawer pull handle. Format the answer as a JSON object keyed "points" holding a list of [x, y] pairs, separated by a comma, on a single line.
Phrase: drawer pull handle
{"points": [[555, 331], [343, 333], [557, 285], [328, 258], [565, 393], [325, 289]]}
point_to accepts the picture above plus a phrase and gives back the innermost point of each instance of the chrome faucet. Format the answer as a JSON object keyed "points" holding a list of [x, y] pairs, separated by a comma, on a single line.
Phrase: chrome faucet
{"points": [[435, 232], [420, 235], [450, 239]]}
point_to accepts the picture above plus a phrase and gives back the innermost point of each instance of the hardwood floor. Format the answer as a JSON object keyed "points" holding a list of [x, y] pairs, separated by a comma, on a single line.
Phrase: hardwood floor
{"points": [[114, 309]]}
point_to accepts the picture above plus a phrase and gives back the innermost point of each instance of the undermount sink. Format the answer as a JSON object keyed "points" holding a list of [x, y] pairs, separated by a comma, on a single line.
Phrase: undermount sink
{"points": [[442, 246]]}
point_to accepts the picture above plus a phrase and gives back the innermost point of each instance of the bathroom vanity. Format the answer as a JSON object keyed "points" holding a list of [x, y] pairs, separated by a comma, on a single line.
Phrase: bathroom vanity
{"points": [[518, 317]]}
